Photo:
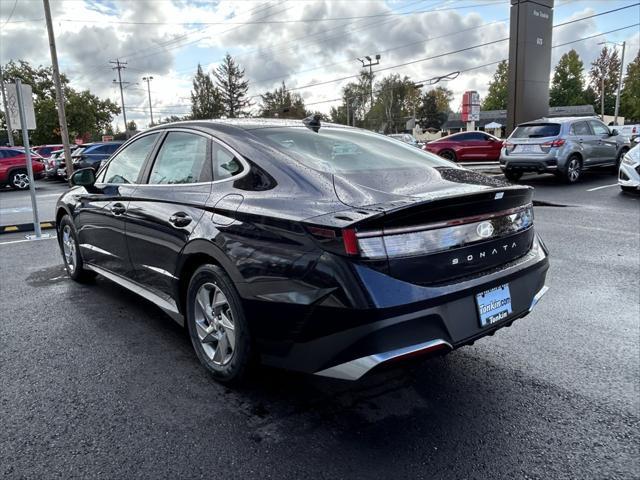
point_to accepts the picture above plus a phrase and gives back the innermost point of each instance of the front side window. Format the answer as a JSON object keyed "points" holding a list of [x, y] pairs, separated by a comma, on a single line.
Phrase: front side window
{"points": [[599, 128], [125, 167], [337, 150], [181, 159]]}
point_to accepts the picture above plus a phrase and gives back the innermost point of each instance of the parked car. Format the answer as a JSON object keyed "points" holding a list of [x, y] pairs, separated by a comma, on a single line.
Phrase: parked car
{"points": [[13, 167], [564, 146], [45, 151], [467, 147], [629, 173], [631, 131], [93, 155], [406, 138], [315, 247], [55, 162]]}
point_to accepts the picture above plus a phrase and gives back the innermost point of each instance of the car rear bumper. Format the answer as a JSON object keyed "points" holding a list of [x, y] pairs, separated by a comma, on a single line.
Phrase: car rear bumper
{"points": [[529, 164], [346, 343]]}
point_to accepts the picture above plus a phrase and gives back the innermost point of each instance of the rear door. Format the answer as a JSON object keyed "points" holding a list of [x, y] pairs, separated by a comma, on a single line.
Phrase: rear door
{"points": [[167, 208], [100, 217]]}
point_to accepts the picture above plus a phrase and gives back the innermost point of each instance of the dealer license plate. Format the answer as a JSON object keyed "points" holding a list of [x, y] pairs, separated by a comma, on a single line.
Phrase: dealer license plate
{"points": [[528, 149], [494, 305]]}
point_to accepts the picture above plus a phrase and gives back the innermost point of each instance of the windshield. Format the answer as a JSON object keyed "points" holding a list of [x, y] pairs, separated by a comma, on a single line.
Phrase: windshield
{"points": [[536, 130], [339, 150]]}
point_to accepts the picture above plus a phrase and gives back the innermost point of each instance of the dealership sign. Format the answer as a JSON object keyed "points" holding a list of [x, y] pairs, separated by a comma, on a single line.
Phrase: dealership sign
{"points": [[470, 106]]}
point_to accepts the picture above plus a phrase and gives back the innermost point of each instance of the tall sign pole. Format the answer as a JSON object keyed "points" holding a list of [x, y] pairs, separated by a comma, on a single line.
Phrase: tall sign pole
{"points": [[615, 119], [7, 120], [25, 124], [62, 117], [529, 61]]}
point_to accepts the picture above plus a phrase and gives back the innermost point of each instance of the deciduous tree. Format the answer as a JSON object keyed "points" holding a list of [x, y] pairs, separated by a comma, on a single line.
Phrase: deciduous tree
{"points": [[496, 98], [606, 67], [282, 103], [630, 95], [567, 86]]}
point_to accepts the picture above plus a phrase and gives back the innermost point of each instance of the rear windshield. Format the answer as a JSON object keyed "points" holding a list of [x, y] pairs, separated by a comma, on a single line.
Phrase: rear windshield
{"points": [[339, 150], [536, 130]]}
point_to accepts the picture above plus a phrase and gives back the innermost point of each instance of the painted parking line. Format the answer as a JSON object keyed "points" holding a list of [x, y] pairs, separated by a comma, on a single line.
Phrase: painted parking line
{"points": [[28, 240], [600, 188]]}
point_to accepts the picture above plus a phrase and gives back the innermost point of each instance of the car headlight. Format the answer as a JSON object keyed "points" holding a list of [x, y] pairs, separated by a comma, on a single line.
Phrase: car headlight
{"points": [[627, 160]]}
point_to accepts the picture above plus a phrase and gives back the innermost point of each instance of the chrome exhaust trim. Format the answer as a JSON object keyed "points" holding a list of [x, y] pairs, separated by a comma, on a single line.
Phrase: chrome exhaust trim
{"points": [[538, 296], [355, 369]]}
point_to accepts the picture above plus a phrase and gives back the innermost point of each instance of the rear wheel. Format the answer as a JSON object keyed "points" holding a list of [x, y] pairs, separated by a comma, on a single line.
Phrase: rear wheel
{"points": [[217, 325], [19, 180], [573, 170], [448, 155], [629, 189], [512, 176], [70, 249]]}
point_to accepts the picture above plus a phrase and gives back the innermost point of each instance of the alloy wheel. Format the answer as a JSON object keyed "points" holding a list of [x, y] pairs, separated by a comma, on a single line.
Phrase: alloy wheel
{"points": [[214, 324], [69, 248], [21, 181], [573, 170]]}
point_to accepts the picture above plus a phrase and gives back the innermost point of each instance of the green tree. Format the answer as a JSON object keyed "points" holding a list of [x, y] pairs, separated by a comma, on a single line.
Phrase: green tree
{"points": [[496, 98], [605, 68], [567, 86], [282, 103], [87, 115], [131, 126], [630, 94], [434, 108], [205, 97], [232, 86], [395, 100]]}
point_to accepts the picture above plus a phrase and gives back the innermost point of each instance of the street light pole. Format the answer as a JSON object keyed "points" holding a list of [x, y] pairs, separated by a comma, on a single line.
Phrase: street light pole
{"points": [[615, 118], [7, 120], [148, 80]]}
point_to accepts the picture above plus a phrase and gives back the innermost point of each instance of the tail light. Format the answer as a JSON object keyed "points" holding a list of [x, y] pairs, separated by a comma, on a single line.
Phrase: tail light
{"points": [[434, 238], [509, 146], [558, 142]]}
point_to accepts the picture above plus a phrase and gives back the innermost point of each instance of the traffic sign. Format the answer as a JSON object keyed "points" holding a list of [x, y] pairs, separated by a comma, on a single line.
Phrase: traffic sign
{"points": [[13, 109]]}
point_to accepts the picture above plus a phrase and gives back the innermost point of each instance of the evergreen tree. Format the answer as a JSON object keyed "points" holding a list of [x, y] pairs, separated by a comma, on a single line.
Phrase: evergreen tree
{"points": [[567, 86], [496, 98], [232, 86], [607, 67], [205, 97], [630, 95], [282, 103]]}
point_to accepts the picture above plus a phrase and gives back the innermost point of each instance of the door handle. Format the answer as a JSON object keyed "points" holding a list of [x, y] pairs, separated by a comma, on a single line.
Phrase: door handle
{"points": [[118, 209], [180, 219]]}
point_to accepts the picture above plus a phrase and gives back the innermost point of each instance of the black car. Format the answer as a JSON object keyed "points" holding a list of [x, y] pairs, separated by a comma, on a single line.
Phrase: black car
{"points": [[92, 155], [314, 247]]}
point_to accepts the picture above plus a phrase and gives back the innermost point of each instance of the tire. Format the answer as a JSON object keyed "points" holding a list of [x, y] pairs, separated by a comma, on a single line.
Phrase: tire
{"points": [[220, 333], [629, 189], [616, 167], [573, 171], [512, 176], [448, 155], [19, 180], [70, 249]]}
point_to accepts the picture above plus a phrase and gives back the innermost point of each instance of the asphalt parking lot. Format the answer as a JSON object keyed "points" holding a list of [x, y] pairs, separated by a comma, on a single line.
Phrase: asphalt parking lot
{"points": [[97, 383]]}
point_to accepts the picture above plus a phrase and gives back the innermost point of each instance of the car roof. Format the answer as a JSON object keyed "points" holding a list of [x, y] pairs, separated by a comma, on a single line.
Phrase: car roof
{"points": [[241, 124], [559, 120]]}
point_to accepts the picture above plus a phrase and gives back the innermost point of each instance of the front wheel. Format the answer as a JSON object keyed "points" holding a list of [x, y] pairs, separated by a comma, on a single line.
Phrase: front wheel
{"points": [[573, 170], [448, 155], [217, 325], [19, 180], [70, 250], [629, 189]]}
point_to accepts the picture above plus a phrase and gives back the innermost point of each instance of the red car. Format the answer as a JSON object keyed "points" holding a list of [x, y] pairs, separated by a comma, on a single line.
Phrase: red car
{"points": [[467, 147], [13, 167], [45, 150]]}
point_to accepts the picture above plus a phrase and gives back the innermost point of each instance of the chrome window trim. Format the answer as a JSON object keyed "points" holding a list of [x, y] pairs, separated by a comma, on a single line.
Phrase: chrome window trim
{"points": [[114, 154], [241, 159]]}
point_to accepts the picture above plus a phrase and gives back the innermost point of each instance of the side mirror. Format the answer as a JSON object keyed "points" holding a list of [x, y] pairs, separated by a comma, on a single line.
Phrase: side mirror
{"points": [[84, 177], [614, 133], [636, 140]]}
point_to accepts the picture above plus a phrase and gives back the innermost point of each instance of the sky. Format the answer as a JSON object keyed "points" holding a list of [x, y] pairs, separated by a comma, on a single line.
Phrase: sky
{"points": [[300, 42]]}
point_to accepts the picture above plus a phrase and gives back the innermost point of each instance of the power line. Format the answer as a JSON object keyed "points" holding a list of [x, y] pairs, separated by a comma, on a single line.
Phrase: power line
{"points": [[259, 22], [11, 14]]}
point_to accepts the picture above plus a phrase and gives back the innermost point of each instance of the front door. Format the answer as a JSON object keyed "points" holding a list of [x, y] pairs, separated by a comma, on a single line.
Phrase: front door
{"points": [[167, 209], [101, 216], [606, 148]]}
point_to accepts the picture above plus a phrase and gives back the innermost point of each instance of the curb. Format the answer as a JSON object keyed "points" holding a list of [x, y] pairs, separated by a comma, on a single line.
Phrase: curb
{"points": [[26, 227]]}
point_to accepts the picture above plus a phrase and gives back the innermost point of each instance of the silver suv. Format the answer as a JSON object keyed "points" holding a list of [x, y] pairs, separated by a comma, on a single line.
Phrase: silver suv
{"points": [[564, 146]]}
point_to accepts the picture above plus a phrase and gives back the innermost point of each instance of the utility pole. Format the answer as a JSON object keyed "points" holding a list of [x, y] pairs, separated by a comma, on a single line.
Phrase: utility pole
{"points": [[370, 65], [7, 120], [602, 99], [148, 80], [615, 119], [62, 117], [121, 66]]}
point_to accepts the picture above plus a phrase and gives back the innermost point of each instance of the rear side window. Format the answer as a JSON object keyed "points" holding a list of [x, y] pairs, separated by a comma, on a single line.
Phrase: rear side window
{"points": [[225, 164], [125, 167], [580, 128], [181, 159], [536, 130]]}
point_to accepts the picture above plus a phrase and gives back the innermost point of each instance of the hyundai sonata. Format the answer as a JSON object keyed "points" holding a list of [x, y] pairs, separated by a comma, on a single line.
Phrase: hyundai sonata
{"points": [[315, 247]]}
